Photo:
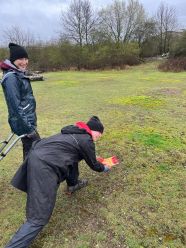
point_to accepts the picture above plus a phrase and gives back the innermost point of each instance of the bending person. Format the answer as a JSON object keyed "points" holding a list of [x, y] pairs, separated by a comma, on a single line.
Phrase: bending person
{"points": [[51, 161]]}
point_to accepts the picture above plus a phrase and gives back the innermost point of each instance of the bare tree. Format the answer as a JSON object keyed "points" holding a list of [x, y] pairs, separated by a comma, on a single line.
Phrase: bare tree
{"points": [[120, 19], [17, 35], [135, 18], [112, 20], [78, 21], [89, 20], [166, 23], [145, 31]]}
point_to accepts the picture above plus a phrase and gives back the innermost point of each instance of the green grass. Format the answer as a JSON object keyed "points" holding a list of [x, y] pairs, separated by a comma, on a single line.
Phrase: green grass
{"points": [[143, 101], [141, 202]]}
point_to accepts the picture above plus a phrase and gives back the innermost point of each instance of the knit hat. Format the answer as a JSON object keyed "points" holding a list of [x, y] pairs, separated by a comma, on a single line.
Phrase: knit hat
{"points": [[95, 124], [17, 52]]}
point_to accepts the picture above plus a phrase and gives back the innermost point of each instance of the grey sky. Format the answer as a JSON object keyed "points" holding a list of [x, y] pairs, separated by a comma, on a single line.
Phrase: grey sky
{"points": [[42, 17]]}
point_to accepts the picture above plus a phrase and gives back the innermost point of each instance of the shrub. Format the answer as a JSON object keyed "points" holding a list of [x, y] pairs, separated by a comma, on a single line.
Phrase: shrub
{"points": [[174, 64]]}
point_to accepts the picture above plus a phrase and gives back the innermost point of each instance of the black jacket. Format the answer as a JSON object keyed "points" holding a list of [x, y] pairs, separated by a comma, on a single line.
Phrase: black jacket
{"points": [[19, 98], [60, 152]]}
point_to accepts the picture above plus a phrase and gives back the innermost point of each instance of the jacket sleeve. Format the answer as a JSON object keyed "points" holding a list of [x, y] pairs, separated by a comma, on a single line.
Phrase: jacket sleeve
{"points": [[13, 99], [89, 155]]}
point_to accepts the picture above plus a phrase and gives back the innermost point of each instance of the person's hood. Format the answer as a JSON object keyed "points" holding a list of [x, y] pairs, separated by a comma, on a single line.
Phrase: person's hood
{"points": [[78, 128], [7, 65]]}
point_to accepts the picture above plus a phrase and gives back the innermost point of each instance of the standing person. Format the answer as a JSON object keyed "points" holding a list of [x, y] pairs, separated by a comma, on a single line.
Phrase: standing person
{"points": [[19, 96], [51, 161]]}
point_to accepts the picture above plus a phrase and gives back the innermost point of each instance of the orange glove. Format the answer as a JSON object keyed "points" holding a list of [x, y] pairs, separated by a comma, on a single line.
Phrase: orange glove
{"points": [[108, 161]]}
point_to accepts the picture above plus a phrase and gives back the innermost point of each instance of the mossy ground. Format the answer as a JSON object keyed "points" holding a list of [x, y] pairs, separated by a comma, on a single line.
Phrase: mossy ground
{"points": [[141, 203]]}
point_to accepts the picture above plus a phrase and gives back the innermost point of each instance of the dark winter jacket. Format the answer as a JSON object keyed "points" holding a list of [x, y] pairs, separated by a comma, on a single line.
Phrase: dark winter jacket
{"points": [[19, 98], [60, 152]]}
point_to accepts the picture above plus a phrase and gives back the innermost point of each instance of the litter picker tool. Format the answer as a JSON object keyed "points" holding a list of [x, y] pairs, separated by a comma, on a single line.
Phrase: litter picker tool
{"points": [[5, 144]]}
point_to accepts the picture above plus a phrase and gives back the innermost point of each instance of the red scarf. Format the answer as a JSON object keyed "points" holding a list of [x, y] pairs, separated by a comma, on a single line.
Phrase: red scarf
{"points": [[83, 125], [4, 66]]}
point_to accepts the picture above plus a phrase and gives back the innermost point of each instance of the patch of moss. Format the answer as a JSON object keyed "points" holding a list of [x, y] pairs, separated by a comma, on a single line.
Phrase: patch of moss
{"points": [[143, 101], [169, 80], [155, 139], [163, 167]]}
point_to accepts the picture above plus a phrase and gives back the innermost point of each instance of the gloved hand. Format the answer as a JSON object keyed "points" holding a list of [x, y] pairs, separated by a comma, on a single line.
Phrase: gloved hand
{"points": [[106, 169]]}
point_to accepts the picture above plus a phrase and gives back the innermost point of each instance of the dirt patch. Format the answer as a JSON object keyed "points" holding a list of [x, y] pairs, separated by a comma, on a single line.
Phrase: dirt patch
{"points": [[167, 91]]}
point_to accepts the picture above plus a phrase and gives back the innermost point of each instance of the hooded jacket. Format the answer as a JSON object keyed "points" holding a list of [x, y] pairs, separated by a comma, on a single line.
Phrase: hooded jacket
{"points": [[60, 152], [19, 98]]}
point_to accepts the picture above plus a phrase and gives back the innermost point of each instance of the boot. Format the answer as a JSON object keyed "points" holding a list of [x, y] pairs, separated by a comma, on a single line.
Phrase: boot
{"points": [[81, 183]]}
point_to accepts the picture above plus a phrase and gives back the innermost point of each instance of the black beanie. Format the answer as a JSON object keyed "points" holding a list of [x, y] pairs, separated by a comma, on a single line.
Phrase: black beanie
{"points": [[95, 124], [17, 52]]}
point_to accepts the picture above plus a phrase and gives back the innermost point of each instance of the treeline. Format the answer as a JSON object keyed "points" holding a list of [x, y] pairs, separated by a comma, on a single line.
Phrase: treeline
{"points": [[119, 34], [65, 56]]}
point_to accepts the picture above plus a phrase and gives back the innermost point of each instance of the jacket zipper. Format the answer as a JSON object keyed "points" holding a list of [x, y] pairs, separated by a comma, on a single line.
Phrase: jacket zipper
{"points": [[26, 106]]}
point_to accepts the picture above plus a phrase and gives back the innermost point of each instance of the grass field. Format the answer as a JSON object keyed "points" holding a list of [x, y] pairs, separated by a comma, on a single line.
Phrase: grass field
{"points": [[141, 202]]}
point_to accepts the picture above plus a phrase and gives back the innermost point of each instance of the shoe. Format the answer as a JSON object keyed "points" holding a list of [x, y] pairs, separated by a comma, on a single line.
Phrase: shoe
{"points": [[81, 184]]}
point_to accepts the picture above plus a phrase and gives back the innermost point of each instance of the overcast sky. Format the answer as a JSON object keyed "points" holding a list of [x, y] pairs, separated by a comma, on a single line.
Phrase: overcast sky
{"points": [[42, 17]]}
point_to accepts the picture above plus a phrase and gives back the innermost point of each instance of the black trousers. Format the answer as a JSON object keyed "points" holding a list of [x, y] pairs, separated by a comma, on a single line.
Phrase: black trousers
{"points": [[72, 178], [27, 143], [25, 235]]}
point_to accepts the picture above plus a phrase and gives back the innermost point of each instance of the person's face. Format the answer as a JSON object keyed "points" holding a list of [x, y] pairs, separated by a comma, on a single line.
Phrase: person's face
{"points": [[21, 63], [96, 135]]}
